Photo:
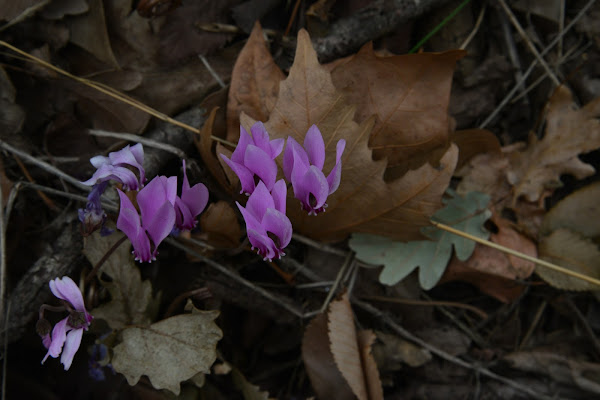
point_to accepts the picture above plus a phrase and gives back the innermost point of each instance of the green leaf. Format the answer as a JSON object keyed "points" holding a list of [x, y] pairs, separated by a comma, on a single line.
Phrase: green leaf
{"points": [[169, 351], [131, 298], [399, 259]]}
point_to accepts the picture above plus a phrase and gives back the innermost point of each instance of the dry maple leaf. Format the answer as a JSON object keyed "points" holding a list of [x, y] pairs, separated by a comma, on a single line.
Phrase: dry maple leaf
{"points": [[364, 202], [254, 83], [569, 132], [409, 97]]}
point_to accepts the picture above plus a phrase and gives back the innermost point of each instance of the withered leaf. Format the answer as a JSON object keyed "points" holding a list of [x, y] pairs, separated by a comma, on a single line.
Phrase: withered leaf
{"points": [[409, 96], [89, 32], [169, 351], [569, 132], [570, 250], [219, 225], [364, 202], [254, 83]]}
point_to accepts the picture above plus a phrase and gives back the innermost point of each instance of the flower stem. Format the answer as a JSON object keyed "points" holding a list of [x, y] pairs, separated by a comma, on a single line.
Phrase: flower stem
{"points": [[94, 270]]}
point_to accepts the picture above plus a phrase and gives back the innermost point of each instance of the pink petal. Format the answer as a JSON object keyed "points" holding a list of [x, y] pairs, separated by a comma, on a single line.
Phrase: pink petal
{"points": [[261, 164], [66, 289], [160, 223], [195, 197], [315, 147], [279, 194], [120, 174], [155, 194], [251, 222], [279, 224], [240, 149], [126, 157], [98, 161], [335, 176], [293, 153], [260, 136], [276, 147], [312, 182], [259, 201], [263, 243], [71, 346], [246, 176], [130, 224], [59, 335]]}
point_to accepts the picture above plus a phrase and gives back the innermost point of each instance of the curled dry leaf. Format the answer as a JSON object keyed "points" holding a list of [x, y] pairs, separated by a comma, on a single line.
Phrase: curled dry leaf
{"points": [[409, 97], [569, 132], [338, 359], [89, 32], [569, 250], [254, 83], [493, 271], [578, 212], [219, 226], [364, 202], [169, 351], [391, 352]]}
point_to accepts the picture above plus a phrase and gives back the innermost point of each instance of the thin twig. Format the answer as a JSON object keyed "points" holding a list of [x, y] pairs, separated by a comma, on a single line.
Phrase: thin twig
{"points": [[140, 139], [3, 223], [515, 253], [338, 279], [112, 93], [512, 52], [429, 303], [586, 326], [44, 165], [212, 71], [222, 269], [110, 251], [318, 245], [517, 85], [442, 354], [475, 28], [536, 320], [529, 43]]}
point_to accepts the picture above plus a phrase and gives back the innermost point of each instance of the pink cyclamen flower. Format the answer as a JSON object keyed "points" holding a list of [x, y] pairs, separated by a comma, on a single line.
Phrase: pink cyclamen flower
{"points": [[269, 229], [303, 167], [192, 202], [114, 167], [156, 201], [254, 156], [67, 333], [161, 210]]}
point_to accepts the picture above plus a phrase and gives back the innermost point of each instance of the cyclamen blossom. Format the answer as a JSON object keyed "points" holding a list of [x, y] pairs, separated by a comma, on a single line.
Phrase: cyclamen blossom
{"points": [[114, 167], [303, 167], [254, 156], [161, 210], [269, 229], [67, 333]]}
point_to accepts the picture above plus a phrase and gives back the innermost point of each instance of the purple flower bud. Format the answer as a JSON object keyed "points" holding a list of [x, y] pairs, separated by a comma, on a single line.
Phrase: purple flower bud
{"points": [[269, 229], [93, 216], [156, 201], [303, 167], [254, 156], [67, 333], [192, 202], [115, 167]]}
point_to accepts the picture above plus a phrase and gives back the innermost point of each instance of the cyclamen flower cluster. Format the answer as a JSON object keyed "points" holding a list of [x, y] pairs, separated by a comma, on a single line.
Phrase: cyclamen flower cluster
{"points": [[161, 209], [269, 229], [66, 334]]}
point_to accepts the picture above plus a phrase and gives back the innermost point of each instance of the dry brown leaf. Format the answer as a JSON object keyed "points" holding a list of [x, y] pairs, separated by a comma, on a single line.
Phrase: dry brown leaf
{"points": [[391, 352], [219, 226], [493, 271], [364, 202], [472, 142], [578, 212], [89, 32], [326, 379], [366, 338], [344, 345], [338, 359], [409, 96], [569, 250], [254, 83], [569, 132]]}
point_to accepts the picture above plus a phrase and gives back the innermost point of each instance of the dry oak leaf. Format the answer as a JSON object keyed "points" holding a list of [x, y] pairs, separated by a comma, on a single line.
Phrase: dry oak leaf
{"points": [[254, 83], [409, 96], [364, 202], [569, 132]]}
